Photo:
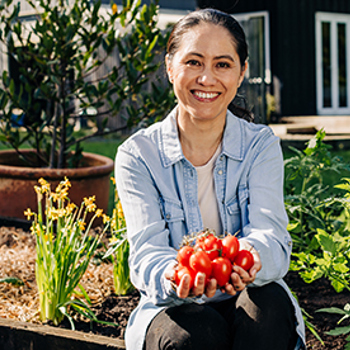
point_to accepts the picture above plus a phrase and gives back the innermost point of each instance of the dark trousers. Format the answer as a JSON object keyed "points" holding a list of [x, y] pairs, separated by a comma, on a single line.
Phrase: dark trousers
{"points": [[257, 319]]}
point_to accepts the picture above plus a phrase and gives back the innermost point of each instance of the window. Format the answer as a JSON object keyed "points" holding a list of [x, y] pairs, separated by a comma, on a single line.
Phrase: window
{"points": [[332, 63]]}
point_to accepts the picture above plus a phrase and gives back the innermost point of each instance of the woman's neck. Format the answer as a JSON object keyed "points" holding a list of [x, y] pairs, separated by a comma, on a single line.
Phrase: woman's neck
{"points": [[200, 140]]}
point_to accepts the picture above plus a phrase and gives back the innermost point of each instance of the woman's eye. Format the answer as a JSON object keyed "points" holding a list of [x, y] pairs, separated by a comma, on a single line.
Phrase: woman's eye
{"points": [[193, 63], [223, 65]]}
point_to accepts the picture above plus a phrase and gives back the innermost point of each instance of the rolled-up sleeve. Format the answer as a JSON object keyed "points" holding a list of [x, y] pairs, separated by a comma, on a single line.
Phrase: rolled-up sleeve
{"points": [[148, 236], [267, 218]]}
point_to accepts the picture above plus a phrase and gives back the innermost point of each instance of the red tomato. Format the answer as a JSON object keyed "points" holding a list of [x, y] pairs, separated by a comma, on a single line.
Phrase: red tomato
{"points": [[200, 262], [230, 247], [244, 259], [199, 245], [183, 255], [221, 270], [212, 246], [184, 270]]}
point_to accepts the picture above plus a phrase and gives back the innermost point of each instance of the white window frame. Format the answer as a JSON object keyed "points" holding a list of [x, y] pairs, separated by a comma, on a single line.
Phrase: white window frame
{"points": [[245, 17], [333, 19]]}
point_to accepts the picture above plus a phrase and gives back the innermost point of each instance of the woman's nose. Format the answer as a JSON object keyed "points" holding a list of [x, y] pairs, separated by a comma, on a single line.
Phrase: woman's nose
{"points": [[206, 77]]}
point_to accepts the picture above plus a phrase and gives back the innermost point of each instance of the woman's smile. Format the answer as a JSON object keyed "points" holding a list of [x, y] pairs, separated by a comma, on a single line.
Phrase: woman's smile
{"points": [[205, 96]]}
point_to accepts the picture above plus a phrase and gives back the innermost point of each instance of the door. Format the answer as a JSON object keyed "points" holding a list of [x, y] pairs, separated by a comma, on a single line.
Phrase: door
{"points": [[332, 63]]}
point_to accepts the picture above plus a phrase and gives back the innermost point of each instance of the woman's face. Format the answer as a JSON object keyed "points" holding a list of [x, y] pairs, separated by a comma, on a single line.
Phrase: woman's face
{"points": [[205, 72]]}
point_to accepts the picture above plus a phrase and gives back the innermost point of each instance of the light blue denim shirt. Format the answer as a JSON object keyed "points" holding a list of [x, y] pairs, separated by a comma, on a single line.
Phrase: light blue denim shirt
{"points": [[157, 186]]}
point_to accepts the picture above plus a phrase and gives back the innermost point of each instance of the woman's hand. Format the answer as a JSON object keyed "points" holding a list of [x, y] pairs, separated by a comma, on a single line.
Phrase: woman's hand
{"points": [[201, 286], [241, 278]]}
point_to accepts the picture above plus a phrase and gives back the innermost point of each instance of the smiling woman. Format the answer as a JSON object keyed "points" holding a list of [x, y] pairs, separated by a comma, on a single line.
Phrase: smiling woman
{"points": [[204, 167]]}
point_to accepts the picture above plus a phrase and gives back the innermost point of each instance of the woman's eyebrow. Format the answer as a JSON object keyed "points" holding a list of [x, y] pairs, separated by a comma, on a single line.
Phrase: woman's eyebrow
{"points": [[228, 57]]}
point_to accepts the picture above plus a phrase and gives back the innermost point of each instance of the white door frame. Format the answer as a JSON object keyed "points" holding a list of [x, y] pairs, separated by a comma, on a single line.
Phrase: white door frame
{"points": [[333, 19]]}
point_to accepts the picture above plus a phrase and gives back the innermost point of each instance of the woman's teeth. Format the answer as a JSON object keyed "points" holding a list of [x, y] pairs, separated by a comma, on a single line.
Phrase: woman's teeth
{"points": [[206, 95]]}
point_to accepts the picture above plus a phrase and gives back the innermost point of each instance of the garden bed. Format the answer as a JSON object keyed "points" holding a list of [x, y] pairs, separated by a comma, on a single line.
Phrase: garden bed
{"points": [[19, 304]]}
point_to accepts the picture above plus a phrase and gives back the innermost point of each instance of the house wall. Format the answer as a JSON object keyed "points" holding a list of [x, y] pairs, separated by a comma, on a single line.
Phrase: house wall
{"points": [[293, 48]]}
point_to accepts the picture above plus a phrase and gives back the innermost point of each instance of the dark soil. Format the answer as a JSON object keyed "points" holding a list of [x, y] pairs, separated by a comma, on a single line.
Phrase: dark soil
{"points": [[117, 309], [311, 297]]}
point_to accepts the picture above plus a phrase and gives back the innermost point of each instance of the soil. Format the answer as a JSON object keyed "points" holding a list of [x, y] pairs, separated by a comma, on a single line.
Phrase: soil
{"points": [[17, 254]]}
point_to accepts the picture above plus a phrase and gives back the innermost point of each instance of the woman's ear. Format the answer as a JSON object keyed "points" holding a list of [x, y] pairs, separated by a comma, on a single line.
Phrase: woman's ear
{"points": [[168, 68], [243, 70]]}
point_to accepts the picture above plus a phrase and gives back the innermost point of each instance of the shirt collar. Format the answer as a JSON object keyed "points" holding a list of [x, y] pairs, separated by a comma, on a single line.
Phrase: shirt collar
{"points": [[170, 147]]}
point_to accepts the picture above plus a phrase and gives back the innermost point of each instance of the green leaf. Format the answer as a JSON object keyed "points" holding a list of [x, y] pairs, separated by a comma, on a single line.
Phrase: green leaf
{"points": [[333, 310], [337, 285], [12, 280], [326, 241], [342, 268], [339, 331]]}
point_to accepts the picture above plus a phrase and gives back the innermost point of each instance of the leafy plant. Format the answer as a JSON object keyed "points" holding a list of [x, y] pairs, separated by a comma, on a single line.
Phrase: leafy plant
{"points": [[340, 330], [334, 263], [119, 250], [309, 202], [64, 247], [76, 62]]}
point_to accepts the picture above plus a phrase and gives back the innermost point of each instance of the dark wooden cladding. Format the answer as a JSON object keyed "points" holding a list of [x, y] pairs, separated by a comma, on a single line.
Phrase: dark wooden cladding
{"points": [[293, 47]]}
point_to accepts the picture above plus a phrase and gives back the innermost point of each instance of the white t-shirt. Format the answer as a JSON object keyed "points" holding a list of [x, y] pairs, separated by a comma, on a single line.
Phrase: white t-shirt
{"points": [[207, 196]]}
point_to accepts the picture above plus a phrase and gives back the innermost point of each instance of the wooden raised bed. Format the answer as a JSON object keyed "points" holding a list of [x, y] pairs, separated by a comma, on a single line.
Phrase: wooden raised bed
{"points": [[16, 335]]}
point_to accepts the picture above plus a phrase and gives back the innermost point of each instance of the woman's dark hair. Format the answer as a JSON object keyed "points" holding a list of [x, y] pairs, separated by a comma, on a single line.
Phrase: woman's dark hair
{"points": [[218, 18]]}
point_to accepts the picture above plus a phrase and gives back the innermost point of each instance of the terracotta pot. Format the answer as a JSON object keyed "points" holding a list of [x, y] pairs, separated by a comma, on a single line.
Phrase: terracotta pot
{"points": [[17, 182]]}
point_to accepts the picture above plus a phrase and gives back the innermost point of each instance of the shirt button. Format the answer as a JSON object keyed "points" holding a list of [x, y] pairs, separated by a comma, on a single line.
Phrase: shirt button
{"points": [[220, 172], [168, 216], [222, 158], [289, 243]]}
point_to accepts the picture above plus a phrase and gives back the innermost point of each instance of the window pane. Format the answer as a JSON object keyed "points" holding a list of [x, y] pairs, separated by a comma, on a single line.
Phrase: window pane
{"points": [[326, 64], [342, 65]]}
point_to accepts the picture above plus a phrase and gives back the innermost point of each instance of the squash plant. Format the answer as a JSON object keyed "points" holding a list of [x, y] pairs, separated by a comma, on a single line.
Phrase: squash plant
{"points": [[76, 60]]}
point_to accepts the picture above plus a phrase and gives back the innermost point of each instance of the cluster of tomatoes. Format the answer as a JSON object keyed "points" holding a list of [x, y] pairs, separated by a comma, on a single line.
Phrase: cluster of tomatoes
{"points": [[212, 256]]}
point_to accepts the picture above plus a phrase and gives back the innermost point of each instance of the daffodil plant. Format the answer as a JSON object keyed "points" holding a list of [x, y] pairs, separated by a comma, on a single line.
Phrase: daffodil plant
{"points": [[119, 249], [64, 247]]}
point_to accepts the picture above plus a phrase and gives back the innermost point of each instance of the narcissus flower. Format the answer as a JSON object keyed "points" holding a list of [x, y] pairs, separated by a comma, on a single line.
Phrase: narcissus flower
{"points": [[114, 9]]}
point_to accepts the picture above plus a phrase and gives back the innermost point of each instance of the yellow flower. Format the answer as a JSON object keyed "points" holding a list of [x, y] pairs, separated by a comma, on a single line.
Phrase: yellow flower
{"points": [[52, 213], [106, 218], [45, 186], [61, 212], [39, 193], [99, 212], [82, 225], [64, 193], [70, 208], [113, 180], [66, 182], [114, 9], [28, 213], [89, 203], [120, 210], [35, 229], [55, 196]]}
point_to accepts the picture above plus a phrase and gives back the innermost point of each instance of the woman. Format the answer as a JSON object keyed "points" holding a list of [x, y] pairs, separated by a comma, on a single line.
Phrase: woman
{"points": [[203, 167]]}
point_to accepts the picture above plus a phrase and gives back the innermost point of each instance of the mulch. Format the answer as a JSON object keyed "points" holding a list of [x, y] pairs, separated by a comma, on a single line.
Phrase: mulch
{"points": [[17, 259]]}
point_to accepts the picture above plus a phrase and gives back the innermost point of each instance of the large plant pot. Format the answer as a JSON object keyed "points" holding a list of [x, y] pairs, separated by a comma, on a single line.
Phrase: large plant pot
{"points": [[17, 182]]}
